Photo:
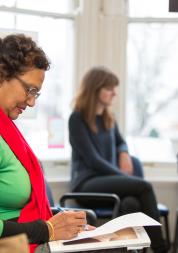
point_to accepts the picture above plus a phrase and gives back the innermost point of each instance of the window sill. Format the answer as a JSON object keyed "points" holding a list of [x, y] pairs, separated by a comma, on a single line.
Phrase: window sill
{"points": [[161, 172], [53, 154], [58, 179]]}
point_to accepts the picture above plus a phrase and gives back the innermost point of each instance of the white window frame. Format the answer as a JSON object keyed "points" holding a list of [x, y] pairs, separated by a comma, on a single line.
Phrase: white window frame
{"points": [[172, 160]]}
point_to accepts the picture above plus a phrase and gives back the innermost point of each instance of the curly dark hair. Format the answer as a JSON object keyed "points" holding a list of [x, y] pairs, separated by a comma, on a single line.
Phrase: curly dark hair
{"points": [[18, 54]]}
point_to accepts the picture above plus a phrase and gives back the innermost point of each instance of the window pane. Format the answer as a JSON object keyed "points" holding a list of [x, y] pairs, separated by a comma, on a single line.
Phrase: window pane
{"points": [[150, 8], [49, 6], [55, 36], [152, 58], [7, 20], [7, 3]]}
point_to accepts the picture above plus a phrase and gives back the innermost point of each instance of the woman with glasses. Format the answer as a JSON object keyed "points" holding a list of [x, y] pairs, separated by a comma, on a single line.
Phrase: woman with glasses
{"points": [[24, 207], [100, 158]]}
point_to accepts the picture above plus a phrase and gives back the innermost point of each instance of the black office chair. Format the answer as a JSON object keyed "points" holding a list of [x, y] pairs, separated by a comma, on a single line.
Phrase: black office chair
{"points": [[111, 203]]}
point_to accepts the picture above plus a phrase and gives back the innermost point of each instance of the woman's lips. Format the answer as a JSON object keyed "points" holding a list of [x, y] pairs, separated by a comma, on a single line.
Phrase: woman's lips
{"points": [[20, 110]]}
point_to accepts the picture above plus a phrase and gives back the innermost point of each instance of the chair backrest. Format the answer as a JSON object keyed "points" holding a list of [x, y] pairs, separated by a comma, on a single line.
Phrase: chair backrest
{"points": [[113, 199]]}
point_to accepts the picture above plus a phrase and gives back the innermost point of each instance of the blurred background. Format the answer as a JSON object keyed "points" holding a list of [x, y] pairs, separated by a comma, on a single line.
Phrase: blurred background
{"points": [[138, 40]]}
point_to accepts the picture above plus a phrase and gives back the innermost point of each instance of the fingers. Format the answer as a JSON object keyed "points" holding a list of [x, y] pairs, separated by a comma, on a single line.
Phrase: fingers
{"points": [[73, 214], [73, 218], [68, 224], [89, 227], [66, 233]]}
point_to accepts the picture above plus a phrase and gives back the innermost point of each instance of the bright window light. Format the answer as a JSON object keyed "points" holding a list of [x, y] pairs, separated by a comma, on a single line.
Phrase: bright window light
{"points": [[56, 37]]}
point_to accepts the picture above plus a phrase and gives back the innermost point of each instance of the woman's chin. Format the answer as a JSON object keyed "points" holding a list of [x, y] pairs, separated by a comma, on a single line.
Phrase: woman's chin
{"points": [[13, 115]]}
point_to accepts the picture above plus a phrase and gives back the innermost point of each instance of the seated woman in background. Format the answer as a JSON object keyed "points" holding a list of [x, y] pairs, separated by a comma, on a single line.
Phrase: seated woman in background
{"points": [[100, 158], [24, 207]]}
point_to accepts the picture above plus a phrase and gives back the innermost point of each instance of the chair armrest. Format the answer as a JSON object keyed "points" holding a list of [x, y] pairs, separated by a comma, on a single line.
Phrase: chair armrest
{"points": [[54, 210], [93, 196]]}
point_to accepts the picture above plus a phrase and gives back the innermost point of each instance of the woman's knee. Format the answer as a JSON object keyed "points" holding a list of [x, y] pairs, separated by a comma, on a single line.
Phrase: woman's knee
{"points": [[147, 186], [130, 204]]}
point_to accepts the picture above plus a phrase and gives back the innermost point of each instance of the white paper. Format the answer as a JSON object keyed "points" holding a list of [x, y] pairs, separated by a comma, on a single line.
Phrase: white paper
{"points": [[129, 220], [136, 238], [106, 234]]}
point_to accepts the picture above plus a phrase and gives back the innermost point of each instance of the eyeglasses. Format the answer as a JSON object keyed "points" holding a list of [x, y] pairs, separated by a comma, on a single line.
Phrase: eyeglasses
{"points": [[31, 92]]}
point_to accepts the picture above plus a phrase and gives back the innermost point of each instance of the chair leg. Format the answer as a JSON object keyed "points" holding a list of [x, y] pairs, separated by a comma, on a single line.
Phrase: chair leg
{"points": [[167, 231], [175, 243]]}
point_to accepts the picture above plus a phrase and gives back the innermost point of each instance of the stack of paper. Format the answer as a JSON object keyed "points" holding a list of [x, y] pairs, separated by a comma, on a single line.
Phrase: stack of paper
{"points": [[124, 231]]}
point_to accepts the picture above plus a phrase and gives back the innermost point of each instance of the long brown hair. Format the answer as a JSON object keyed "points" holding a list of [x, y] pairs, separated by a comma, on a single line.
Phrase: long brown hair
{"points": [[86, 100]]}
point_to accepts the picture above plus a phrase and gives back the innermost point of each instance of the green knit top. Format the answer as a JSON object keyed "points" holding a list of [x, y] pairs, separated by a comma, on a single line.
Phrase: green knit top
{"points": [[15, 187]]}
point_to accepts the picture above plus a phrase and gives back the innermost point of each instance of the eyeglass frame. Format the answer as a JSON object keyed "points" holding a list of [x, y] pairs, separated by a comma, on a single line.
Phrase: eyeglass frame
{"points": [[31, 92]]}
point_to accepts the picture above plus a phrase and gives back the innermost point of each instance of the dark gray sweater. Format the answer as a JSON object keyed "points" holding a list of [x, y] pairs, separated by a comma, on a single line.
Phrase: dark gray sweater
{"points": [[93, 154]]}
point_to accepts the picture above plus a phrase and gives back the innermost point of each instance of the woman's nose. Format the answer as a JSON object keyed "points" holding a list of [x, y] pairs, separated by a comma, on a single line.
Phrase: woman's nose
{"points": [[114, 92], [31, 101]]}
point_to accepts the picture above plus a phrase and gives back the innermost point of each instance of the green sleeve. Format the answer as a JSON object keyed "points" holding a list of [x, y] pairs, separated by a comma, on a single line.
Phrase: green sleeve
{"points": [[1, 227]]}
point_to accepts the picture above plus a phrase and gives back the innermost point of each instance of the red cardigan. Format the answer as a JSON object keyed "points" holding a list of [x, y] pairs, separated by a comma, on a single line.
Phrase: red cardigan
{"points": [[38, 205]]}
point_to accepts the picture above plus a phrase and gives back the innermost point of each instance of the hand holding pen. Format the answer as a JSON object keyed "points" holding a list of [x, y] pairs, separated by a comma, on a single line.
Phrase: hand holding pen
{"points": [[67, 224], [85, 226]]}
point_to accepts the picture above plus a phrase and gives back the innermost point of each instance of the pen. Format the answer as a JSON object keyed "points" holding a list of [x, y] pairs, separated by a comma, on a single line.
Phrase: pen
{"points": [[85, 227], [60, 209]]}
